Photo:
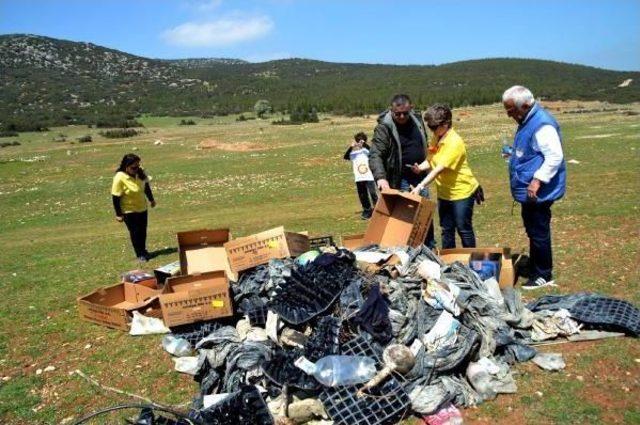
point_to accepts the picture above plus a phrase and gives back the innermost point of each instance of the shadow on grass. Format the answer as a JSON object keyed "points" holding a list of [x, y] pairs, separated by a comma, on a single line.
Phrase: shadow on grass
{"points": [[163, 251]]}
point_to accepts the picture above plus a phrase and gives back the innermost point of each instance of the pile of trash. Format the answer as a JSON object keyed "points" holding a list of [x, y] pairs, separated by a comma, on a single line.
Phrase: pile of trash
{"points": [[320, 339]]}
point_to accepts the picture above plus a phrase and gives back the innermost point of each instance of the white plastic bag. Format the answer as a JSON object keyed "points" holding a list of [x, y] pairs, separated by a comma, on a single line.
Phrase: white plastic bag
{"points": [[143, 325]]}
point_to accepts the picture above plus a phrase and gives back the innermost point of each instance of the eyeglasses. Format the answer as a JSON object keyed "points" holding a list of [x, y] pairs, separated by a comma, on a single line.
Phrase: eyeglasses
{"points": [[401, 114]]}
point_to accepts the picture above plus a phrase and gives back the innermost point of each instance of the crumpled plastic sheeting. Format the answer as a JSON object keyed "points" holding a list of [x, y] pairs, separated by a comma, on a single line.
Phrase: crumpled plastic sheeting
{"points": [[217, 345], [595, 310], [245, 362], [549, 361], [373, 316], [551, 324]]}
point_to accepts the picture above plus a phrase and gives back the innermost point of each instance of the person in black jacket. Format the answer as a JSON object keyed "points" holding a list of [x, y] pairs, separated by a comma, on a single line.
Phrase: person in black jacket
{"points": [[400, 141], [358, 154], [128, 191]]}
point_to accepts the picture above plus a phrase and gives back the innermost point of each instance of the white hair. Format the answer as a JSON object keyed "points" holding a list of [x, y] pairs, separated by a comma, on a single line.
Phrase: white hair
{"points": [[520, 95]]}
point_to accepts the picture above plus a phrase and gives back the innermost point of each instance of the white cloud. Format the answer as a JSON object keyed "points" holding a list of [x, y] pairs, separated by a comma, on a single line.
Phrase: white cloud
{"points": [[221, 32], [207, 6]]}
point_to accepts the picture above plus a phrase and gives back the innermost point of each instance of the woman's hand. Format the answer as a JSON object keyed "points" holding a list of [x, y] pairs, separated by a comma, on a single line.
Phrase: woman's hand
{"points": [[416, 190], [153, 204], [119, 218], [416, 168]]}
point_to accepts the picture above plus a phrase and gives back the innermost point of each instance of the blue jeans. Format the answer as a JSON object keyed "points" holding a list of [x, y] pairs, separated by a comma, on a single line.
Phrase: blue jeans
{"points": [[405, 186], [457, 215], [537, 222]]}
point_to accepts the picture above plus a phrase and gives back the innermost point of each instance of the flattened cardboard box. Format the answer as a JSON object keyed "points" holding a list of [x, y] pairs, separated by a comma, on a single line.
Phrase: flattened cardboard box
{"points": [[463, 255], [250, 251], [112, 306], [203, 251], [194, 298], [399, 219], [352, 242]]}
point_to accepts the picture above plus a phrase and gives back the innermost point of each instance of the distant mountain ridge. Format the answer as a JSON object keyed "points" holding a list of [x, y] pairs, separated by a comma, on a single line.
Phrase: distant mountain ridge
{"points": [[50, 82]]}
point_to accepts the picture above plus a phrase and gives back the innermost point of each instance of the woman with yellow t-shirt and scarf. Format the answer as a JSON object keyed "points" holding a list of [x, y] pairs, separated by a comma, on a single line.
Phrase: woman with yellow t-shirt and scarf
{"points": [[456, 185], [130, 185]]}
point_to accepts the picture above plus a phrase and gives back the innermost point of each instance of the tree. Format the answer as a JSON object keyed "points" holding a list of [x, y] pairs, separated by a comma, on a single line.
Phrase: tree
{"points": [[261, 108]]}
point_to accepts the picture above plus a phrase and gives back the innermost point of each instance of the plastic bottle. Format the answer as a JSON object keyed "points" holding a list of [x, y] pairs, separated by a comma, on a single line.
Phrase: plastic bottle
{"points": [[507, 149], [178, 347], [333, 371]]}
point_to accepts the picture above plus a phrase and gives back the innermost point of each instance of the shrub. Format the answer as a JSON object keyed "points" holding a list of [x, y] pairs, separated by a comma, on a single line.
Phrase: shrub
{"points": [[60, 138], [187, 122], [86, 139], [241, 118], [9, 133], [5, 144], [262, 107], [119, 133], [119, 122]]}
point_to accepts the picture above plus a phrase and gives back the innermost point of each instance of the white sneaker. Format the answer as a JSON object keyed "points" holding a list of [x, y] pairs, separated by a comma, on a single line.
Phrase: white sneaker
{"points": [[538, 283]]}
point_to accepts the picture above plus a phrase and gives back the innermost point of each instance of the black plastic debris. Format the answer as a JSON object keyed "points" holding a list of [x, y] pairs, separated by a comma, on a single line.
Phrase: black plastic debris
{"points": [[251, 282], [194, 332], [148, 417], [243, 407], [373, 316], [323, 342], [312, 289], [255, 308], [385, 404], [594, 310]]}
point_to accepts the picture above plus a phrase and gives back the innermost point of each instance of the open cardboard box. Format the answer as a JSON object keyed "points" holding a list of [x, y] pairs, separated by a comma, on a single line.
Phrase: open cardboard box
{"points": [[250, 251], [194, 298], [464, 255], [113, 306], [399, 219], [203, 251]]}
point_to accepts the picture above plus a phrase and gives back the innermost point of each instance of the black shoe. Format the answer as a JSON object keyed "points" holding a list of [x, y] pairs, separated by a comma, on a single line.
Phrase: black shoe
{"points": [[366, 214], [537, 283], [143, 258]]}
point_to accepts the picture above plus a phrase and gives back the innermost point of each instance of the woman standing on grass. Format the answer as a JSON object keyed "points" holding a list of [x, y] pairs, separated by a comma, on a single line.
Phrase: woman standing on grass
{"points": [[457, 187], [130, 185]]}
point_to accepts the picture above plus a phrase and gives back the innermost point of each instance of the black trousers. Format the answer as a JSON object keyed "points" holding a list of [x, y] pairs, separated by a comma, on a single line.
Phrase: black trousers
{"points": [[537, 222], [137, 224], [367, 189]]}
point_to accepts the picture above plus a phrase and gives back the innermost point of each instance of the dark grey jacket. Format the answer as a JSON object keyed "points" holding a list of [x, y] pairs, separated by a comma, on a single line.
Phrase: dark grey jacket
{"points": [[385, 158]]}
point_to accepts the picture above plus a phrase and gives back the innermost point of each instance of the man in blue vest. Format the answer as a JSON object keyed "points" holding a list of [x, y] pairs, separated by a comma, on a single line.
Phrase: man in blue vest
{"points": [[537, 173]]}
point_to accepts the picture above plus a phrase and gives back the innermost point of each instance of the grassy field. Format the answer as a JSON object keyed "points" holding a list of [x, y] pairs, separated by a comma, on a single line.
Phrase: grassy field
{"points": [[60, 240]]}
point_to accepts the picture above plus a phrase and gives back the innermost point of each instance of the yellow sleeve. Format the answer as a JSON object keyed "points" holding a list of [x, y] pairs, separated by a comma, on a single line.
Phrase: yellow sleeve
{"points": [[450, 155], [117, 188]]}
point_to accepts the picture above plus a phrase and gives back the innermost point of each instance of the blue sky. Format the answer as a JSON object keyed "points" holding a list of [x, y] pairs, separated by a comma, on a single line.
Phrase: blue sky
{"points": [[602, 33]]}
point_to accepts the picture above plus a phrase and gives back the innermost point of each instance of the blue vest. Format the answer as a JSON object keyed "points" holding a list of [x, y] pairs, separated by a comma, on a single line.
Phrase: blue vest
{"points": [[525, 161]]}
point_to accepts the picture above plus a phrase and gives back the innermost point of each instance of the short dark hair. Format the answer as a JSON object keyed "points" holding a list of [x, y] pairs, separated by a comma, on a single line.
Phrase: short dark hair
{"points": [[401, 99], [437, 115], [360, 136]]}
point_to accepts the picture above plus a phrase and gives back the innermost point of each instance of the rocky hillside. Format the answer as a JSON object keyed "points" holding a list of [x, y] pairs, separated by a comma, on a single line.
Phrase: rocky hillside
{"points": [[46, 81]]}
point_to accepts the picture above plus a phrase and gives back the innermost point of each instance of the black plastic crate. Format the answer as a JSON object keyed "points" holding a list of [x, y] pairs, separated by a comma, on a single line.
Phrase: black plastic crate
{"points": [[385, 404]]}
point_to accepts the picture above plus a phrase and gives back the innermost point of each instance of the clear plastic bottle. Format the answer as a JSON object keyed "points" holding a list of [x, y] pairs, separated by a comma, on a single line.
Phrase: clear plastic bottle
{"points": [[333, 371], [178, 347], [507, 149]]}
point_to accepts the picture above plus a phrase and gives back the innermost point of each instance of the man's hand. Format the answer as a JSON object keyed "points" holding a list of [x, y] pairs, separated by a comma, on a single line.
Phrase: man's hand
{"points": [[416, 168], [383, 184], [153, 204], [532, 189], [119, 218]]}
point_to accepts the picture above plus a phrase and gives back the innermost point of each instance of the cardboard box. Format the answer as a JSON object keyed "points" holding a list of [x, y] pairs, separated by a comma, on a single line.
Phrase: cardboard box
{"points": [[399, 219], [113, 306], [167, 271], [203, 251], [352, 242], [250, 251], [464, 255], [194, 298]]}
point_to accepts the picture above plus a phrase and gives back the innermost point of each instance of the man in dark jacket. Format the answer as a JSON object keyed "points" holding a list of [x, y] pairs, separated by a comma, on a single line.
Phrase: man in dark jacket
{"points": [[399, 141]]}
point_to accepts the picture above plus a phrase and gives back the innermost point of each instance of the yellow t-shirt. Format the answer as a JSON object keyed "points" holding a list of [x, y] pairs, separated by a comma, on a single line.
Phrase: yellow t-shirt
{"points": [[456, 181], [131, 192]]}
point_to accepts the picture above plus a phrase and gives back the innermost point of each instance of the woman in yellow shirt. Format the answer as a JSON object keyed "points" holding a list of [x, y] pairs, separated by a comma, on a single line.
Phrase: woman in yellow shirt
{"points": [[130, 185], [455, 182]]}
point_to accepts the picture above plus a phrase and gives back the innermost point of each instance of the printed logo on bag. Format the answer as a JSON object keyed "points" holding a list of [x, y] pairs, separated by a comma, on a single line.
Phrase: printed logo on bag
{"points": [[363, 168]]}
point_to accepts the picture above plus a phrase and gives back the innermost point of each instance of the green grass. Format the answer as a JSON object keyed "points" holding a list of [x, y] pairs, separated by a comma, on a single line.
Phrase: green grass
{"points": [[60, 240]]}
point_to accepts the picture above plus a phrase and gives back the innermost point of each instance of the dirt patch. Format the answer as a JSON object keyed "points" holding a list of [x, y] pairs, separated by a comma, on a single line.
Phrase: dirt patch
{"points": [[596, 136], [232, 147]]}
